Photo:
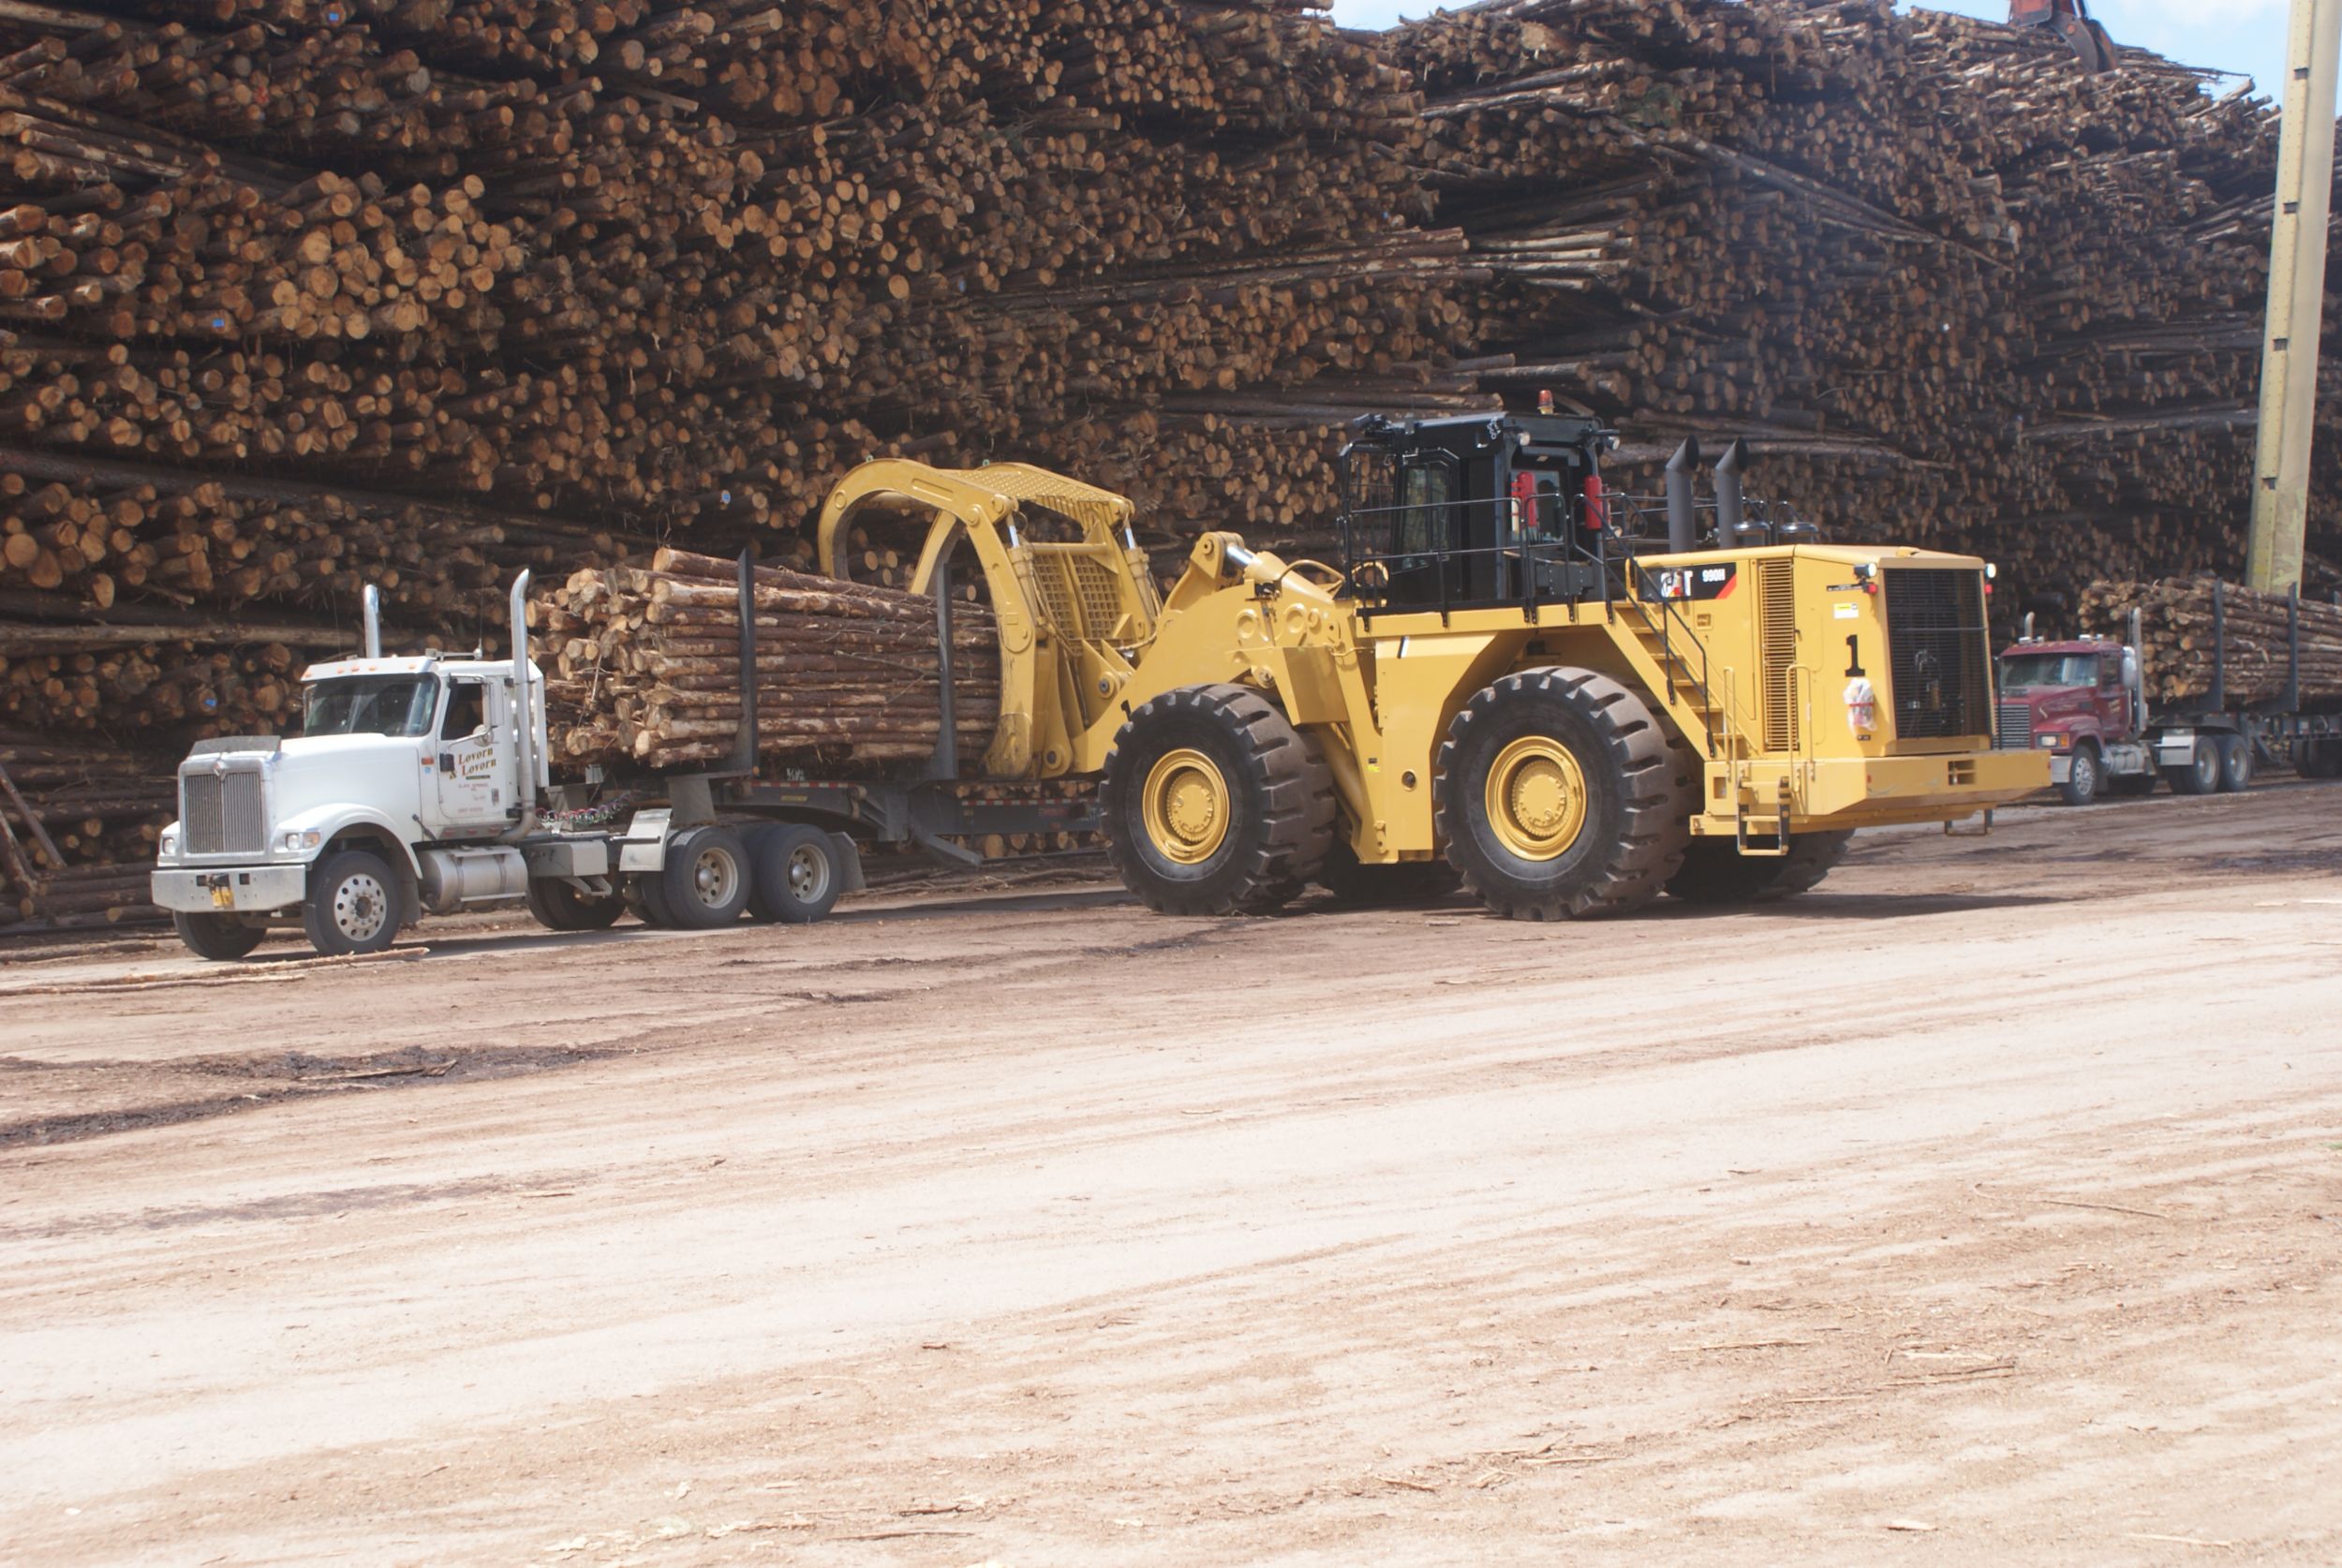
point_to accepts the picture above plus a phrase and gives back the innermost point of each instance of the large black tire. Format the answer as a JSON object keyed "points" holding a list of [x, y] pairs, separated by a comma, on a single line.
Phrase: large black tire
{"points": [[1409, 881], [2132, 785], [795, 876], [2317, 758], [1716, 872], [2201, 775], [560, 906], [707, 880], [2236, 763], [219, 937], [1213, 804], [643, 902], [353, 905], [1591, 804], [2085, 774]]}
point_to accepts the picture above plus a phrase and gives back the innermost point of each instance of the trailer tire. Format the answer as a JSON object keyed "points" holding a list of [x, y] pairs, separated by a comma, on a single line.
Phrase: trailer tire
{"points": [[2317, 757], [557, 905], [2201, 774], [352, 906], [1394, 886], [2085, 774], [1213, 804], [705, 881], [2236, 763], [1716, 872], [222, 939], [1560, 797], [795, 877]]}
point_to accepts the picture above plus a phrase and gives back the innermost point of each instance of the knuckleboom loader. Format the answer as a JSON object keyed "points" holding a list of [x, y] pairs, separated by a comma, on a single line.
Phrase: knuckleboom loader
{"points": [[1504, 683]]}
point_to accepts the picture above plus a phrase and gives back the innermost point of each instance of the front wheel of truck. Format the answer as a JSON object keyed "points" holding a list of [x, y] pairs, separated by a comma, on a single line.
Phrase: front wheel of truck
{"points": [[222, 939], [352, 907]]}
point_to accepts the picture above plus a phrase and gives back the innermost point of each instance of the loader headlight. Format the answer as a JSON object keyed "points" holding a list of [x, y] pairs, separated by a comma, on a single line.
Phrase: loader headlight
{"points": [[291, 841]]}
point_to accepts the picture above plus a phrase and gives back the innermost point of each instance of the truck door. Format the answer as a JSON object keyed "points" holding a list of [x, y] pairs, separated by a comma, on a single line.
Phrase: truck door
{"points": [[471, 769]]}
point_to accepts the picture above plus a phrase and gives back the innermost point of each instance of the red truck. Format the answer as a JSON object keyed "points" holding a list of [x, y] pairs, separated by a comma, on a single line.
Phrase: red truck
{"points": [[2083, 700]]}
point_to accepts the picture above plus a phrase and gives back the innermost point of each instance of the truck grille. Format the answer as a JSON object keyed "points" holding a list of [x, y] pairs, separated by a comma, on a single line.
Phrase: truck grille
{"points": [[222, 813], [2016, 727], [1937, 652]]}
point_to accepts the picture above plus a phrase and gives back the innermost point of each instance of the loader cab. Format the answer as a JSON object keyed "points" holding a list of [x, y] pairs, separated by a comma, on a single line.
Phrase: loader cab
{"points": [[1472, 513]]}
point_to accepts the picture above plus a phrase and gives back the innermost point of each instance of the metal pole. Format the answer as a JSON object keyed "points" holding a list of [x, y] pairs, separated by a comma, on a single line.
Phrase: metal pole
{"points": [[2297, 277], [945, 762], [744, 739]]}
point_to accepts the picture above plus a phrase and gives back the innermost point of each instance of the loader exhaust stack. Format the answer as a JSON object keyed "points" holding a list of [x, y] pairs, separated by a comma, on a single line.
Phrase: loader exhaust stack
{"points": [[1683, 530], [1730, 503]]}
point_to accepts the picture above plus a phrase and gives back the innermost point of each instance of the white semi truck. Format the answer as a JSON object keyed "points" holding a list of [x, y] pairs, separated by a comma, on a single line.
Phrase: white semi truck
{"points": [[420, 785]]}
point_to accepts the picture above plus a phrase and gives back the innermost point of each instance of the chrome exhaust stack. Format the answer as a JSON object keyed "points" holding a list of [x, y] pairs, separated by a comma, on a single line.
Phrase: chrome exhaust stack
{"points": [[524, 709], [373, 603], [1682, 529]]}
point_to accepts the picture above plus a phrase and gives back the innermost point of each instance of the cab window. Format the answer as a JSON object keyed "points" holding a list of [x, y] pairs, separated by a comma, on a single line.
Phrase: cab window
{"points": [[372, 706], [1425, 494], [466, 710]]}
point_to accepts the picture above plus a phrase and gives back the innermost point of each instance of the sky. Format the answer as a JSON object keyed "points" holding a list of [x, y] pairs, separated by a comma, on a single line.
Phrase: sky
{"points": [[2246, 37]]}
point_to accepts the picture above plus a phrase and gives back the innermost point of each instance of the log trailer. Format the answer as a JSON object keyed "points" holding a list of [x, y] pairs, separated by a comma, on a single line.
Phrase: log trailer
{"points": [[2083, 702], [1504, 683]]}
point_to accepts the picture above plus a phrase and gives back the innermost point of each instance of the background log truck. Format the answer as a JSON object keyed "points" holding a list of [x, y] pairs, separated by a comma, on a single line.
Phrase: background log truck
{"points": [[1503, 682]]}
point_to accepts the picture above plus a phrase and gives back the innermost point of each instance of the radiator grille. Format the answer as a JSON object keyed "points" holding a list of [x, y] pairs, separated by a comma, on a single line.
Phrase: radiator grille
{"points": [[1776, 651], [222, 813], [2016, 727], [1937, 652], [1078, 595]]}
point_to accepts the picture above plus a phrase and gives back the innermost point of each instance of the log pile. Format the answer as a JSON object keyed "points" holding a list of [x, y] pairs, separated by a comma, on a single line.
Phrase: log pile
{"points": [[646, 667], [2255, 635], [77, 824], [297, 296]]}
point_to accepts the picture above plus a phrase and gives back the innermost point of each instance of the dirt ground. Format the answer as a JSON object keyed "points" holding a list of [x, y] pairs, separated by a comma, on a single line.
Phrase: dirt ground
{"points": [[1985, 1203]]}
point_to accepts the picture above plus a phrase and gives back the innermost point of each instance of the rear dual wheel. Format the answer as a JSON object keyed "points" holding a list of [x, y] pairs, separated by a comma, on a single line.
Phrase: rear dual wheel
{"points": [[704, 884], [1560, 798]]}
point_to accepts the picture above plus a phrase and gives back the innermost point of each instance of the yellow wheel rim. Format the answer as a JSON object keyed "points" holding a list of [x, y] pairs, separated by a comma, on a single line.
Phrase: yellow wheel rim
{"points": [[1536, 798], [1185, 803]]}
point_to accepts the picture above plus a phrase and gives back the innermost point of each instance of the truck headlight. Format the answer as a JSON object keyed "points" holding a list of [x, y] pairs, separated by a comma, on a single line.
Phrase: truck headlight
{"points": [[291, 841], [166, 847], [2049, 740]]}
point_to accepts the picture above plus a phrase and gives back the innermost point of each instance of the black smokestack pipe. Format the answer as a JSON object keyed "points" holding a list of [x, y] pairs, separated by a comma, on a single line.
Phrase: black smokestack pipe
{"points": [[1682, 532], [1729, 507]]}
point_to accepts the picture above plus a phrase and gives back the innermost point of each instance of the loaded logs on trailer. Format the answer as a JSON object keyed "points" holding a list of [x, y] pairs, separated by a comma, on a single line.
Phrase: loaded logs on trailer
{"points": [[297, 295], [2180, 630], [646, 667]]}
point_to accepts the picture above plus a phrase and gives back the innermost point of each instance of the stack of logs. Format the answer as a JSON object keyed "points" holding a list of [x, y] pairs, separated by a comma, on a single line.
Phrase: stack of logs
{"points": [[646, 667], [643, 271], [2254, 639], [76, 832]]}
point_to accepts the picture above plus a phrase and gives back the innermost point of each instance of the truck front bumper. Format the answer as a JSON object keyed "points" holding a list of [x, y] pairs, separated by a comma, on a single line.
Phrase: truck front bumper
{"points": [[1826, 795], [241, 889]]}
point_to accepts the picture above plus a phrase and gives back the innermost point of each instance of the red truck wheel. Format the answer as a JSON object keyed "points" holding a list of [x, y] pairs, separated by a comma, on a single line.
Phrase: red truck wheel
{"points": [[2084, 772]]}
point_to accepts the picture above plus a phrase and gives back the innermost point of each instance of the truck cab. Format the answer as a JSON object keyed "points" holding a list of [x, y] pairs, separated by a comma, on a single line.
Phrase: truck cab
{"points": [[412, 780], [2081, 700]]}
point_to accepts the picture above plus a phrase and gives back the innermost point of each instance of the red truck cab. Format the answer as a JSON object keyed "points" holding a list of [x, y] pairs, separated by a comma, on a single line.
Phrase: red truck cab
{"points": [[2082, 702]]}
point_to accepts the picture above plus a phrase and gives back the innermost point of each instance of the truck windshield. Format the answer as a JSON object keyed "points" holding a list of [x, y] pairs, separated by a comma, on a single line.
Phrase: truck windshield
{"points": [[372, 706], [2019, 670]]}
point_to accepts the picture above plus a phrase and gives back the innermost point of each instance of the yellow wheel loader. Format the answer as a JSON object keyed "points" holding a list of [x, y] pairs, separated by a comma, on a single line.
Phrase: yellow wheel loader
{"points": [[1507, 679]]}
